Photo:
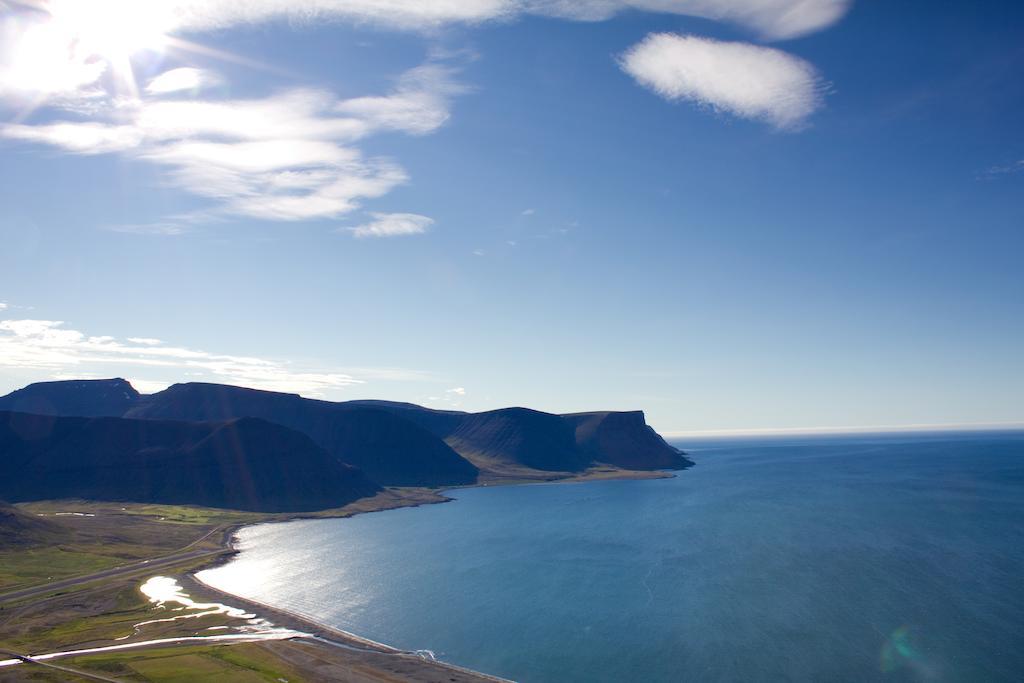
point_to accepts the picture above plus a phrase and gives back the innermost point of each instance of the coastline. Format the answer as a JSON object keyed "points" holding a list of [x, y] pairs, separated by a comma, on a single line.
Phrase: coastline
{"points": [[393, 500]]}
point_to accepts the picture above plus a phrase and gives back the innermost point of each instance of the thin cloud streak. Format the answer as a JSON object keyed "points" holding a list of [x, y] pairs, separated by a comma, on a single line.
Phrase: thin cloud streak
{"points": [[773, 19], [393, 225]]}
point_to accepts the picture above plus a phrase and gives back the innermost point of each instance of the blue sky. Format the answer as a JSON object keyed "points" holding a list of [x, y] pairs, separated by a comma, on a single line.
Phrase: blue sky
{"points": [[733, 214]]}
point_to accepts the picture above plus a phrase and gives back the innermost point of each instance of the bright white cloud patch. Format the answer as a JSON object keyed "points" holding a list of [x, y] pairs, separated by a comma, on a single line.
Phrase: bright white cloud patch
{"points": [[144, 386], [393, 225], [49, 345], [183, 79], [745, 80]]}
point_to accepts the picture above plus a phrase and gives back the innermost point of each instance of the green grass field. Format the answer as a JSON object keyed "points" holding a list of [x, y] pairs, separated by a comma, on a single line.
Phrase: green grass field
{"points": [[239, 663]]}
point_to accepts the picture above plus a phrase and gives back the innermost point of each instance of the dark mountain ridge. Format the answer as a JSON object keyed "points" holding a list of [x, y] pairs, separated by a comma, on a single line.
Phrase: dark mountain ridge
{"points": [[394, 443], [243, 464], [389, 449]]}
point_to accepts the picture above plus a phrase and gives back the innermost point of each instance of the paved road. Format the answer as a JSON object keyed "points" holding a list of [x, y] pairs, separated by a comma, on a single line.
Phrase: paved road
{"points": [[154, 563], [59, 667]]}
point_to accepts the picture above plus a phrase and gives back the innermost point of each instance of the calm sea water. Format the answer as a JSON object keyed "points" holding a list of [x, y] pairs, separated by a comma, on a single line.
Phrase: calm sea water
{"points": [[847, 559]]}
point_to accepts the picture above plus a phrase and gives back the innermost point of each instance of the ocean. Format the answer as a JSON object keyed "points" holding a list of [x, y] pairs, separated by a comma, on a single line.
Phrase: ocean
{"points": [[855, 558]]}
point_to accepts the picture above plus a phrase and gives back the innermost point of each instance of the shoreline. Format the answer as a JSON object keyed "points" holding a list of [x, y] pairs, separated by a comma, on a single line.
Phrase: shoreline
{"points": [[322, 633], [339, 638]]}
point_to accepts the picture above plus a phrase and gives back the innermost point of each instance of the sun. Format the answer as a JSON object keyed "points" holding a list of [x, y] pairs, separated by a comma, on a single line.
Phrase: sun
{"points": [[62, 46], [113, 29]]}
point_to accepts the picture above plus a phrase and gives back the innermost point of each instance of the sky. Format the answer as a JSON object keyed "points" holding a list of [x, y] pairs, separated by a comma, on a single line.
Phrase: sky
{"points": [[731, 214]]}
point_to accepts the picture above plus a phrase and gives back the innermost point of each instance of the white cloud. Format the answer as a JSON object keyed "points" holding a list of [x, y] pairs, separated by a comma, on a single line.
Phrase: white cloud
{"points": [[393, 225], [49, 345], [159, 228], [294, 155], [78, 137], [745, 80], [182, 79], [460, 391], [529, 212], [771, 18], [419, 104], [147, 386], [285, 157], [145, 341], [1005, 169], [2, 305]]}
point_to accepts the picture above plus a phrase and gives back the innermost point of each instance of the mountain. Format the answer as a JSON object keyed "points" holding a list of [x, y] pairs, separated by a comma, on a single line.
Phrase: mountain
{"points": [[624, 439], [243, 464], [510, 439], [517, 437], [394, 443], [390, 449], [80, 397]]}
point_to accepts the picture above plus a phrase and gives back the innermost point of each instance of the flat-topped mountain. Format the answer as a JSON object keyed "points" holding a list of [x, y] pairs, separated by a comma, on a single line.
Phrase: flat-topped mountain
{"points": [[510, 439], [393, 443], [624, 439], [79, 397], [244, 464]]}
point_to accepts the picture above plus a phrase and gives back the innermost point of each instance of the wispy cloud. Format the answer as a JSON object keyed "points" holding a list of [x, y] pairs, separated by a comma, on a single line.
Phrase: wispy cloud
{"points": [[770, 18], [183, 79], [296, 154], [51, 346], [393, 225], [1005, 169], [528, 212], [159, 228], [289, 156], [739, 78], [145, 341]]}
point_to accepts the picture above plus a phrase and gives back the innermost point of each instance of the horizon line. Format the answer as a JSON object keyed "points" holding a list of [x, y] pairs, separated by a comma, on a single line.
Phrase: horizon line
{"points": [[868, 429]]}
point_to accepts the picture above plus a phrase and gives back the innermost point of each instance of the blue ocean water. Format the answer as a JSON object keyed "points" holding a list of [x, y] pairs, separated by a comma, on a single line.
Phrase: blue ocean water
{"points": [[842, 559]]}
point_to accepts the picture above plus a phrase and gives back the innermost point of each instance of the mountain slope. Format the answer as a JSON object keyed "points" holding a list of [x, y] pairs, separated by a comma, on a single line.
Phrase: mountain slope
{"points": [[517, 437], [624, 439], [245, 464], [18, 528], [390, 449]]}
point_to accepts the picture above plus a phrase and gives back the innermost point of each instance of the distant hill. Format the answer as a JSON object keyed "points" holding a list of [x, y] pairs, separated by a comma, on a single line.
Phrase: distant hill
{"points": [[81, 397], [391, 450], [244, 464], [19, 528]]}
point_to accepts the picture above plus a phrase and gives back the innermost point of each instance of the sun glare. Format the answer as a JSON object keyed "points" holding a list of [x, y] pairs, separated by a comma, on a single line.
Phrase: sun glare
{"points": [[114, 29], [66, 45]]}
